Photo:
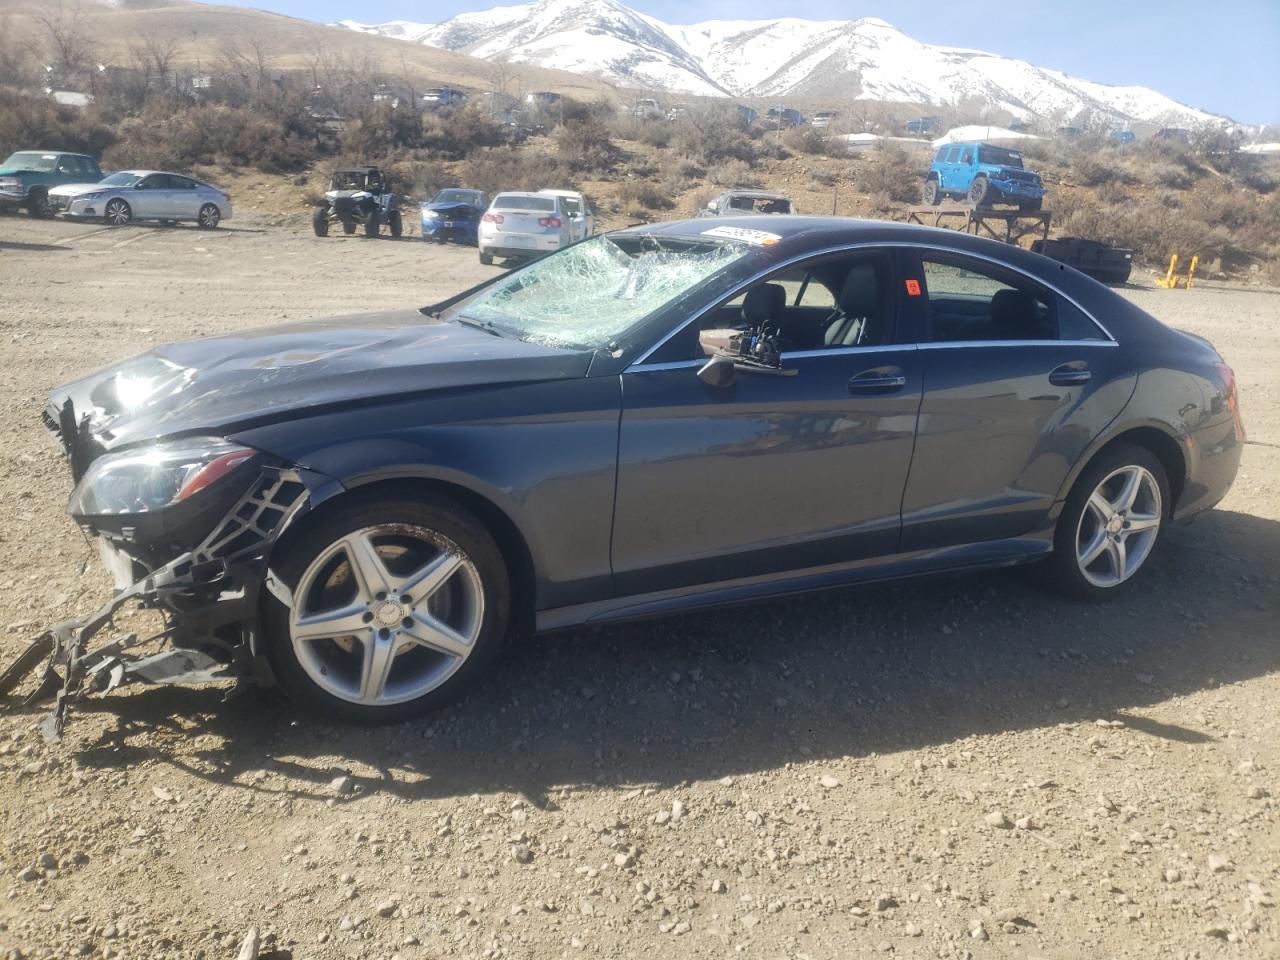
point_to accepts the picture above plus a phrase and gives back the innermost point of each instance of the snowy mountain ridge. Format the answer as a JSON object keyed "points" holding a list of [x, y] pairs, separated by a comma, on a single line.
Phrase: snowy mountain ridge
{"points": [[866, 59]]}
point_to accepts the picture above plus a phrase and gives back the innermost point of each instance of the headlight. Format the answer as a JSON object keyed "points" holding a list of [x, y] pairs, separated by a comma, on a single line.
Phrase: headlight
{"points": [[152, 478], [91, 196], [429, 213], [10, 183]]}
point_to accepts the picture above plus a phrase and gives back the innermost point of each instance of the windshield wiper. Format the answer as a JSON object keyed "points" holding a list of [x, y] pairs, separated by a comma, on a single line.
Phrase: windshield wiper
{"points": [[488, 326]]}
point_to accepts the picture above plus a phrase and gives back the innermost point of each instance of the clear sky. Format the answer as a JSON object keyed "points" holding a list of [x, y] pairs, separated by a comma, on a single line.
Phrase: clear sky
{"points": [[1219, 55]]}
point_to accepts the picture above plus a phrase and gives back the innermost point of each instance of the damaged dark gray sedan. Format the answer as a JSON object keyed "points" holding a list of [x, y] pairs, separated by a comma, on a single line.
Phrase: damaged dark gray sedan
{"points": [[363, 509]]}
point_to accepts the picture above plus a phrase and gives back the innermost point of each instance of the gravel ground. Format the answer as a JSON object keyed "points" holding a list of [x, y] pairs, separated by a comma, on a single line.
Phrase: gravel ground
{"points": [[965, 767]]}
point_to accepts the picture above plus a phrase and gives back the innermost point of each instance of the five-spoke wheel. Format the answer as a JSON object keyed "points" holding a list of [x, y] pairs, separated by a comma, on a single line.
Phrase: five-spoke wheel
{"points": [[1110, 523], [394, 604]]}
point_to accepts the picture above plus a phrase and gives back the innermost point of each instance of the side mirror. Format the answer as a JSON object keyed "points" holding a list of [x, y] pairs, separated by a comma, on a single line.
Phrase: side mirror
{"points": [[718, 372], [711, 205]]}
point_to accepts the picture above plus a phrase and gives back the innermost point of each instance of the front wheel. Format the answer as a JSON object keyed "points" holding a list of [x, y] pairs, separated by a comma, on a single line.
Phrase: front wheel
{"points": [[117, 212], [371, 225], [397, 606], [320, 222], [486, 258], [396, 224], [38, 204], [930, 195], [1110, 524], [980, 191], [209, 217]]}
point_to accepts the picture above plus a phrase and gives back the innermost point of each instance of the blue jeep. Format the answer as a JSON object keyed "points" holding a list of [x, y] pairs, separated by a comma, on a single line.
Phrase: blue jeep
{"points": [[983, 175]]}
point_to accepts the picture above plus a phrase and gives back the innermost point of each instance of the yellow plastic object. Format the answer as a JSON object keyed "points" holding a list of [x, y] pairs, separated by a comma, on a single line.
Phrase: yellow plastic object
{"points": [[1171, 280]]}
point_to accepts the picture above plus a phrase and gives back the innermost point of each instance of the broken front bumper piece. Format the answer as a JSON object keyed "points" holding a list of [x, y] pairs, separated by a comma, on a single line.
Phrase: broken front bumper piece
{"points": [[209, 600]]}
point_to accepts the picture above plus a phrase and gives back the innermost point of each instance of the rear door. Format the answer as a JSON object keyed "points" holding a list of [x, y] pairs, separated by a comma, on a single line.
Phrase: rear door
{"points": [[1018, 381], [184, 198]]}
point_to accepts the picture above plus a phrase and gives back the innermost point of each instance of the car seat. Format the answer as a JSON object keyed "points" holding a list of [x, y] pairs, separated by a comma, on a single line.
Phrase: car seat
{"points": [[766, 303], [857, 307], [1013, 315]]}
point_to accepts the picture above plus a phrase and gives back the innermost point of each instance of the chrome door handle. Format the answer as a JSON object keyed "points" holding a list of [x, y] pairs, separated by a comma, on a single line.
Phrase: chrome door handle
{"points": [[877, 381], [1070, 374]]}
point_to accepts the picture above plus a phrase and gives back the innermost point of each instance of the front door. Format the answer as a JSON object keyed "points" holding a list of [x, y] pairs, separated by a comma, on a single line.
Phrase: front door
{"points": [[772, 473]]}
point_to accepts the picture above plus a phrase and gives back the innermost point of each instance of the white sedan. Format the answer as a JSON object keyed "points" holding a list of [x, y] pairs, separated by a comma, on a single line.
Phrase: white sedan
{"points": [[143, 195], [523, 226]]}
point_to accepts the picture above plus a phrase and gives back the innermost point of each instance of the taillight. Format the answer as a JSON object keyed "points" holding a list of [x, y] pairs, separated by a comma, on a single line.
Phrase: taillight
{"points": [[493, 218], [548, 221], [1233, 397]]}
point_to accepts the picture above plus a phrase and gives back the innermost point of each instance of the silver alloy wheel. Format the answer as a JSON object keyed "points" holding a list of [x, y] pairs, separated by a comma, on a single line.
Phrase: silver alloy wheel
{"points": [[1119, 526], [209, 216], [118, 213], [386, 614]]}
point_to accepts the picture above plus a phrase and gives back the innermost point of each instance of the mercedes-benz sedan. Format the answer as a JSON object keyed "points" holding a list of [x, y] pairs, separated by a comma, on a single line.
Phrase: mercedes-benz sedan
{"points": [[365, 508], [131, 195]]}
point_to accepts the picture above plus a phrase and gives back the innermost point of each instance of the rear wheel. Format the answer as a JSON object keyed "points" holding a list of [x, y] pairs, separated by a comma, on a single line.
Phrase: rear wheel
{"points": [[371, 225], [930, 194], [320, 222], [209, 217], [348, 227], [486, 258], [397, 607], [980, 191], [1110, 524], [117, 212]]}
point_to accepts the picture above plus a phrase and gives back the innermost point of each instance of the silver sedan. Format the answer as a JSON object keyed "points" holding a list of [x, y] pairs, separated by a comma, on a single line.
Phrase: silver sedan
{"points": [[131, 195]]}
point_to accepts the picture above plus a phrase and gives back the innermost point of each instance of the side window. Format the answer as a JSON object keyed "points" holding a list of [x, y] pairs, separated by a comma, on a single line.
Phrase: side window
{"points": [[971, 301], [967, 157], [952, 154], [157, 181], [181, 183], [941, 156]]}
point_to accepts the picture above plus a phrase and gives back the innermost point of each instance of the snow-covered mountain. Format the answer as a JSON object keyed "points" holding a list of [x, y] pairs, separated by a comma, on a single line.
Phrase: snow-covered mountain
{"points": [[866, 59]]}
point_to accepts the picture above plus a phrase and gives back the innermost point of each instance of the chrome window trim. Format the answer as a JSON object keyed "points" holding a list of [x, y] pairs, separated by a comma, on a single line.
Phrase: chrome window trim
{"points": [[786, 355], [950, 344], [892, 245]]}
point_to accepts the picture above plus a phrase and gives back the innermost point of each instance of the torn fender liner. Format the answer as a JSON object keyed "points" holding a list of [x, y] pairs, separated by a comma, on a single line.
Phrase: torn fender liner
{"points": [[201, 594]]}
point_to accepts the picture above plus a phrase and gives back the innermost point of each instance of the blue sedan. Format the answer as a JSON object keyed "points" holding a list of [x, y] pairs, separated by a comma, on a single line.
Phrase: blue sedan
{"points": [[454, 214]]}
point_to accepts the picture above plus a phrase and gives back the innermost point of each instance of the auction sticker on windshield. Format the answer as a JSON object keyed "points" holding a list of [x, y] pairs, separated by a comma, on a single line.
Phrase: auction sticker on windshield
{"points": [[745, 234]]}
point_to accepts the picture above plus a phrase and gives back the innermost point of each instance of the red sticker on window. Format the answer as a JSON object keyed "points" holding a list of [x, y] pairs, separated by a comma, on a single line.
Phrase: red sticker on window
{"points": [[913, 288]]}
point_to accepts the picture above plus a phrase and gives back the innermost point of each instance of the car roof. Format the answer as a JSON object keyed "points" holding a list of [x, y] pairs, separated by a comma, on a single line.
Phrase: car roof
{"points": [[560, 193], [57, 153], [520, 193], [356, 170], [756, 195]]}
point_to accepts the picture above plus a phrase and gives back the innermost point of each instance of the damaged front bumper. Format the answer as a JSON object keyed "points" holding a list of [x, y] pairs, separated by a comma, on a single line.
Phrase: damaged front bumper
{"points": [[208, 597]]}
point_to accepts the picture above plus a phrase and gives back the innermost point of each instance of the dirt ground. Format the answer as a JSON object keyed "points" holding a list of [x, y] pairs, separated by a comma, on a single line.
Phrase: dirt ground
{"points": [[965, 767]]}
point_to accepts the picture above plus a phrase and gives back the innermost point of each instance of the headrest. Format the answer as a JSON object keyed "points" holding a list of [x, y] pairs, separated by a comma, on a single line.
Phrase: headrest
{"points": [[858, 295], [765, 302], [1013, 314]]}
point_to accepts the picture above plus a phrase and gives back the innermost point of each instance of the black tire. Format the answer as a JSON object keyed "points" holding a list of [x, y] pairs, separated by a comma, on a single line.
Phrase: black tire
{"points": [[371, 225], [1062, 572], [320, 222], [348, 227], [1031, 206], [486, 258], [931, 195], [444, 518], [209, 217], [38, 204], [396, 224], [117, 212], [980, 192]]}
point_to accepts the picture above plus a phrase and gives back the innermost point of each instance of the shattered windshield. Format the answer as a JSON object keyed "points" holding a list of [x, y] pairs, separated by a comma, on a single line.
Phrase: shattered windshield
{"points": [[589, 294]]}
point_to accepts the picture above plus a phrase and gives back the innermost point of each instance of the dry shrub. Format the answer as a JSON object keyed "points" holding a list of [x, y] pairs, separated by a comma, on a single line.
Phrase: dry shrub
{"points": [[733, 173], [711, 138], [420, 178], [638, 197], [583, 144], [507, 168], [890, 170], [27, 121], [459, 133]]}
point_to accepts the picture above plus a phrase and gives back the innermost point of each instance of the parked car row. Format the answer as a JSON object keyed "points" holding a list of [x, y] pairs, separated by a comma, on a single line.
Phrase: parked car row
{"points": [[51, 182], [515, 225]]}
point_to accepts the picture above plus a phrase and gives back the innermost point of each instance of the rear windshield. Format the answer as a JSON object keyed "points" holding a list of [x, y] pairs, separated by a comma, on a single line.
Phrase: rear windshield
{"points": [[1000, 157], [121, 179], [456, 196], [516, 201], [30, 160]]}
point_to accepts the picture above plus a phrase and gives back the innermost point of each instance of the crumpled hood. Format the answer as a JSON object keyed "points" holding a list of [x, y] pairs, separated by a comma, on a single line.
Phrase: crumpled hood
{"points": [[76, 189], [277, 373]]}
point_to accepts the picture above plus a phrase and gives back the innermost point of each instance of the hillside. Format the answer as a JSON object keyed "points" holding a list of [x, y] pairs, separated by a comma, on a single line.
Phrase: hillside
{"points": [[865, 59]]}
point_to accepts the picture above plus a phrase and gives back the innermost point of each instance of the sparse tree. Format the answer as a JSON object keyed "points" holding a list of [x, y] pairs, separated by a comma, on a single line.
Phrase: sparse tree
{"points": [[67, 30]]}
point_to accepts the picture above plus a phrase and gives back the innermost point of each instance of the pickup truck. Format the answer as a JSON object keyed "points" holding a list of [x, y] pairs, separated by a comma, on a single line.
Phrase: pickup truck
{"points": [[25, 178]]}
